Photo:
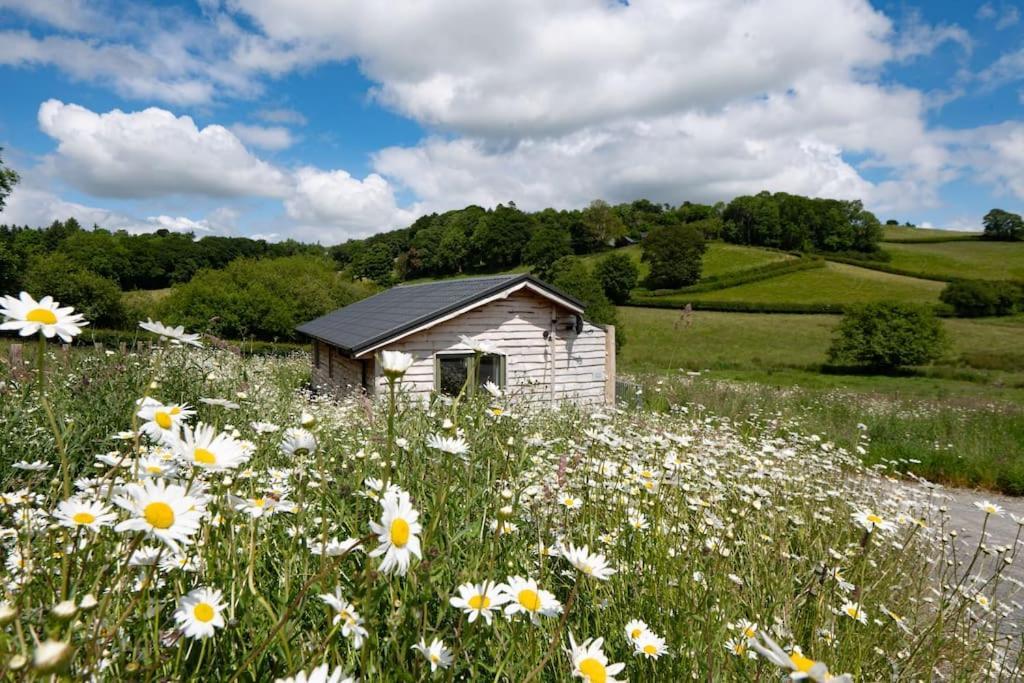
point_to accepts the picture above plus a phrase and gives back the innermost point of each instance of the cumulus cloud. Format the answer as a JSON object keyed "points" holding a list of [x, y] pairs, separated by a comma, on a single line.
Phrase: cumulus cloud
{"points": [[347, 205], [264, 137], [152, 153]]}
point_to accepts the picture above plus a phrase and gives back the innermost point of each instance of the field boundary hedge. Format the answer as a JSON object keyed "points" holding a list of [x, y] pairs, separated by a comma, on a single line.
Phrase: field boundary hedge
{"points": [[892, 270], [759, 306], [933, 240], [112, 339], [740, 277]]}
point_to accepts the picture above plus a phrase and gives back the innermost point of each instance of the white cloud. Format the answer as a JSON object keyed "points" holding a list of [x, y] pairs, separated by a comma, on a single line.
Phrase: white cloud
{"points": [[995, 154], [1010, 17], [342, 206], [70, 15], [264, 137], [918, 38], [153, 153], [281, 116]]}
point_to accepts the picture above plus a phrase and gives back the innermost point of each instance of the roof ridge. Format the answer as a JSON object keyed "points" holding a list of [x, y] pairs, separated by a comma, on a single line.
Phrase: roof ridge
{"points": [[474, 278]]}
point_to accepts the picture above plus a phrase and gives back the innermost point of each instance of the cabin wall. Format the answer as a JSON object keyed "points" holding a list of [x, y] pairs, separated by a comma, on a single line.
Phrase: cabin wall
{"points": [[335, 372], [516, 326]]}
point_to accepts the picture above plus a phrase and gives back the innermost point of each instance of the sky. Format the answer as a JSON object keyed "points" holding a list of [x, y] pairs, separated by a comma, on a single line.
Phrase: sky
{"points": [[332, 119]]}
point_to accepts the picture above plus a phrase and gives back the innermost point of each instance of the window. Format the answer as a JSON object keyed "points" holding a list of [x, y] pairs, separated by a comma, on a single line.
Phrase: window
{"points": [[452, 370]]}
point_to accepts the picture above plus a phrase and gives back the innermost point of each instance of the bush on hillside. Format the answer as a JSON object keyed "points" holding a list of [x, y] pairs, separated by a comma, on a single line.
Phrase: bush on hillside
{"points": [[675, 254], [96, 297], [572, 276], [888, 335], [976, 298], [618, 276], [265, 299]]}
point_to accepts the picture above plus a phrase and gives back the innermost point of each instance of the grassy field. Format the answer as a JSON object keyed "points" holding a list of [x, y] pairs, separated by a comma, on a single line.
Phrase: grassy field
{"points": [[892, 233], [719, 259], [990, 260], [836, 283]]}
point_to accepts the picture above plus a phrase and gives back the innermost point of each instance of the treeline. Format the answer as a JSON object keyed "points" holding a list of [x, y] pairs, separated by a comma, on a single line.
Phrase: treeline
{"points": [[131, 261], [475, 239]]}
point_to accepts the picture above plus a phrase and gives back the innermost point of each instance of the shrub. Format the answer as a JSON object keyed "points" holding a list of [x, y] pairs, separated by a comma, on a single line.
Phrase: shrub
{"points": [[674, 253], [618, 276], [572, 276], [888, 335], [97, 297], [976, 298], [264, 299]]}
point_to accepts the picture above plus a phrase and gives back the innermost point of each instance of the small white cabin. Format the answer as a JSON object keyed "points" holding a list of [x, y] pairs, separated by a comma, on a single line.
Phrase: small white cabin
{"points": [[545, 351]]}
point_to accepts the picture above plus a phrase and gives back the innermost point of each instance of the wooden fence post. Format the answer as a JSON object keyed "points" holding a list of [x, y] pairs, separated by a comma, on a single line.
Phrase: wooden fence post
{"points": [[609, 364]]}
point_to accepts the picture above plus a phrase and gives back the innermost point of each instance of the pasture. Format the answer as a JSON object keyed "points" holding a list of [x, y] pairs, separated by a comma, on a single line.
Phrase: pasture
{"points": [[983, 260]]}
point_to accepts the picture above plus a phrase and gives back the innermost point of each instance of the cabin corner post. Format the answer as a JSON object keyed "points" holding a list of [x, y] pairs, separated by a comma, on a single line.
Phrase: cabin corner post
{"points": [[609, 364]]}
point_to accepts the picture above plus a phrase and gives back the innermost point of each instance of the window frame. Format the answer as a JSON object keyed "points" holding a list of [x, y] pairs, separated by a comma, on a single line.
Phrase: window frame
{"points": [[502, 363]]}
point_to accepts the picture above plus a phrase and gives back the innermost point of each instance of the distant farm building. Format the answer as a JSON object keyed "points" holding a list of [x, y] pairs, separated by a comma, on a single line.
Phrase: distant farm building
{"points": [[545, 351]]}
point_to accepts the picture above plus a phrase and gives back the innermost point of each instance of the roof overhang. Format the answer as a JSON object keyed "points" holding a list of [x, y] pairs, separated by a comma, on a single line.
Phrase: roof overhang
{"points": [[528, 284]]}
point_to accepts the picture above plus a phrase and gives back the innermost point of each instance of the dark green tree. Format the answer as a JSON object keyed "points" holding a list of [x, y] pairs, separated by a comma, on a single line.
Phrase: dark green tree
{"points": [[602, 225], [8, 179], [675, 254], [499, 239], [1003, 225], [618, 275], [976, 298], [548, 244], [97, 298], [571, 275], [888, 335], [376, 263]]}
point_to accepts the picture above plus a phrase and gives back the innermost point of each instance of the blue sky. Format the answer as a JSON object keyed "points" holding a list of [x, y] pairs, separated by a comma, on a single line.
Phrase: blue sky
{"points": [[332, 119]]}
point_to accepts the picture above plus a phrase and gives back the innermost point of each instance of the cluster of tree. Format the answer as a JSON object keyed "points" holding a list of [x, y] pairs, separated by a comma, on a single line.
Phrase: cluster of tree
{"points": [[261, 298], [132, 261], [888, 335], [977, 298], [796, 223], [1003, 225]]}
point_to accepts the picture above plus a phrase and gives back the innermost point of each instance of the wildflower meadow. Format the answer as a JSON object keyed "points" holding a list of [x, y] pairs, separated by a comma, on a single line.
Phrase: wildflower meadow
{"points": [[177, 512]]}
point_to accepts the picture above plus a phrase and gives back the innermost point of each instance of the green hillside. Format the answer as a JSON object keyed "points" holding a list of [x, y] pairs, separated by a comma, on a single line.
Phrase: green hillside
{"points": [[896, 233], [987, 260], [721, 258], [836, 283]]}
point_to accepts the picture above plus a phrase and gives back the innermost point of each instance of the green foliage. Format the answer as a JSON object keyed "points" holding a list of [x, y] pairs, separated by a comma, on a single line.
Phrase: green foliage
{"points": [[602, 225], [793, 222], [618, 276], [674, 253], [8, 179], [1003, 225], [736, 278], [977, 298], [265, 299], [572, 276], [499, 238], [888, 335], [96, 297], [547, 245], [376, 264]]}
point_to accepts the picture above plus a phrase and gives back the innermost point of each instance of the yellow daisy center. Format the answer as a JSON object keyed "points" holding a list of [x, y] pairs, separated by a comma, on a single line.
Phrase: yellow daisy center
{"points": [[154, 469], [159, 515], [175, 410], [749, 632], [163, 419], [399, 532], [650, 649], [204, 456], [259, 502], [635, 633], [874, 519], [593, 670], [479, 602], [802, 664], [529, 599], [84, 518], [203, 612], [41, 315]]}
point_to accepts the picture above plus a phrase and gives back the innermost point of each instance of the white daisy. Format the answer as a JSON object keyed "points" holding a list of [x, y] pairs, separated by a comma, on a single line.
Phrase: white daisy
{"points": [[594, 565], [989, 508], [163, 511], [854, 611], [321, 674], [436, 653], [162, 422], [635, 629], [76, 513], [204, 447], [590, 663], [28, 316], [524, 596], [220, 402], [454, 445], [479, 599], [650, 645], [397, 532], [176, 335], [871, 521], [200, 613], [394, 364], [346, 615], [34, 466], [298, 442]]}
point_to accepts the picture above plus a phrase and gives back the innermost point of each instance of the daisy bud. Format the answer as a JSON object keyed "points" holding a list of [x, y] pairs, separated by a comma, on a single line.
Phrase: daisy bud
{"points": [[52, 655], [88, 602], [64, 610], [154, 385], [506, 494], [17, 662], [242, 395], [505, 512], [447, 424], [307, 420], [7, 613]]}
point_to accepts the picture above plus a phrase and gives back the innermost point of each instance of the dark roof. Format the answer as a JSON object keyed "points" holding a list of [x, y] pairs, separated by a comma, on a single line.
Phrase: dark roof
{"points": [[365, 323]]}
